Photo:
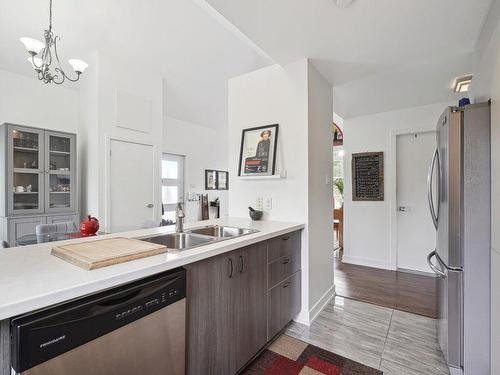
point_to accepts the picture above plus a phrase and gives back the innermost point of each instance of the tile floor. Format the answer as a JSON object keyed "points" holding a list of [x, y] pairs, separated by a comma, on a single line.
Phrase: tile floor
{"points": [[396, 342]]}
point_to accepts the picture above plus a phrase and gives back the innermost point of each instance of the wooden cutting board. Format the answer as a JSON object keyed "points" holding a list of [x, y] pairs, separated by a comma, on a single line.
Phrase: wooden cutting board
{"points": [[102, 253]]}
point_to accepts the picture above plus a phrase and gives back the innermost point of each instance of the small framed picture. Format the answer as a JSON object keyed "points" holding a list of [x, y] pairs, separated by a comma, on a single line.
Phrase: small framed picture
{"points": [[222, 180], [258, 151], [210, 179]]}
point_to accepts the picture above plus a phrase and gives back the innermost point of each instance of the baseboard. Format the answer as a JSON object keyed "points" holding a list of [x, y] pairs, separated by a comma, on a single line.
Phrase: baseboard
{"points": [[321, 304], [302, 318], [416, 272], [367, 262]]}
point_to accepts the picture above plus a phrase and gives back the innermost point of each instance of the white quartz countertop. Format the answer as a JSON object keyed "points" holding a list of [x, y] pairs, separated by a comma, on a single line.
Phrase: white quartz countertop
{"points": [[31, 278]]}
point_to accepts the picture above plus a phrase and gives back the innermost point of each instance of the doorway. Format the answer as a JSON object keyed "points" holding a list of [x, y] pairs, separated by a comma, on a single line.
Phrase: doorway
{"points": [[172, 185], [338, 190], [132, 190], [416, 235]]}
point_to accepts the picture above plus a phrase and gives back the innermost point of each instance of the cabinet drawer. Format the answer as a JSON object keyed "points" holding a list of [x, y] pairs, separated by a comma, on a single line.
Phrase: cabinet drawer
{"points": [[63, 218], [284, 245], [282, 268], [284, 302]]}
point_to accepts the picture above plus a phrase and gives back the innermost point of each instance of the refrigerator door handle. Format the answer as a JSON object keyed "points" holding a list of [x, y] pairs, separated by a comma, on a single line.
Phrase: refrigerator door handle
{"points": [[430, 198], [436, 270]]}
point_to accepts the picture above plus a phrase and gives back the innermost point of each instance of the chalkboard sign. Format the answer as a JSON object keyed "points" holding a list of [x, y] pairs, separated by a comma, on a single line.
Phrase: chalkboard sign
{"points": [[368, 176]]}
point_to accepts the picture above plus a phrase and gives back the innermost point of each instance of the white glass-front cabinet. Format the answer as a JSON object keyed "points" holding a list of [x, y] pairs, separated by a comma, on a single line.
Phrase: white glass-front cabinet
{"points": [[40, 170], [60, 165]]}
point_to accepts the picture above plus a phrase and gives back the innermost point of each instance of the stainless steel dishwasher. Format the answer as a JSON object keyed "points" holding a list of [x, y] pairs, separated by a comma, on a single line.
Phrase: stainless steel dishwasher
{"points": [[138, 328]]}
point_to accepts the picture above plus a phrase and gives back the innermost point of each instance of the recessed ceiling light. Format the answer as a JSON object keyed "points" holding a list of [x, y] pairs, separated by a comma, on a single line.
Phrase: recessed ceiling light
{"points": [[343, 3], [462, 83]]}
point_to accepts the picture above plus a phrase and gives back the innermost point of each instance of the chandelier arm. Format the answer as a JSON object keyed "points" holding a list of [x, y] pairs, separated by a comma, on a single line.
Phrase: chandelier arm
{"points": [[63, 76], [60, 69]]}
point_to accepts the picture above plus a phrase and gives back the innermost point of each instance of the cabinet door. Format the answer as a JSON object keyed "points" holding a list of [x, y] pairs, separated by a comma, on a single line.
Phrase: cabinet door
{"points": [[60, 172], [284, 304], [251, 302], [22, 227], [25, 171], [210, 298]]}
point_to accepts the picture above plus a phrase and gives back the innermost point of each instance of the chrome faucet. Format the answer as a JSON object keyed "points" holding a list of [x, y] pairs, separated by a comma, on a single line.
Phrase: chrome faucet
{"points": [[179, 218]]}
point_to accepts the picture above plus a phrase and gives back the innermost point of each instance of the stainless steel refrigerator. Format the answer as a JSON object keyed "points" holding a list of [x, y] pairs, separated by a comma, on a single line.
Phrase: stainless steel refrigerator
{"points": [[459, 187]]}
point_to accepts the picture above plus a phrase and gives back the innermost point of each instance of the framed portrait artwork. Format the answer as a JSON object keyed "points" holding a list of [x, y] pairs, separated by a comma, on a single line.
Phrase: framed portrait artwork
{"points": [[222, 180], [258, 151], [210, 179]]}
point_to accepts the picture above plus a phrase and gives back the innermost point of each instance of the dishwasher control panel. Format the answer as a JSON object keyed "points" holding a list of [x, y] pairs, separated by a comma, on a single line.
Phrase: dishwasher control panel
{"points": [[164, 298]]}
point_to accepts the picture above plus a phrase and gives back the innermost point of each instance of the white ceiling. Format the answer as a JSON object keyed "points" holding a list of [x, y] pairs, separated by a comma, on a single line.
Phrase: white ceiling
{"points": [[176, 39], [390, 53]]}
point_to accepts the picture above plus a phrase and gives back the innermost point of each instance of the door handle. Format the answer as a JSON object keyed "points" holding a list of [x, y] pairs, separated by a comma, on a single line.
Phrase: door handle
{"points": [[436, 270], [231, 268], [403, 209], [242, 263], [430, 198], [150, 205]]}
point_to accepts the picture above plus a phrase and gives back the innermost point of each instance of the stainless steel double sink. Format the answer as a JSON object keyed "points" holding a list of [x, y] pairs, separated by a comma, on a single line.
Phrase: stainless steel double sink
{"points": [[198, 236]]}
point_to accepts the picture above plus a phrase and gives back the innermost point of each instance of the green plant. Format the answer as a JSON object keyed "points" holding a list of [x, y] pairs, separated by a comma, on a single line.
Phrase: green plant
{"points": [[339, 183]]}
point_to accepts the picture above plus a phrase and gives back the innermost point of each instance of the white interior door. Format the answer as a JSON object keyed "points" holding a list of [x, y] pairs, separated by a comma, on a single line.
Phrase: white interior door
{"points": [[416, 235], [131, 185]]}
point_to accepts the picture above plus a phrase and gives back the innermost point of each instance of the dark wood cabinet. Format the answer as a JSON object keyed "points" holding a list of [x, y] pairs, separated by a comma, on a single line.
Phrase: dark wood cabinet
{"points": [[251, 303], [283, 303], [284, 283], [233, 306], [227, 310], [211, 303]]}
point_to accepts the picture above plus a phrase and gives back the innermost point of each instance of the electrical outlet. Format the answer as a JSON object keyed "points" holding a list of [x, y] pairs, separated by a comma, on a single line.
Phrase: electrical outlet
{"points": [[259, 203], [268, 204]]}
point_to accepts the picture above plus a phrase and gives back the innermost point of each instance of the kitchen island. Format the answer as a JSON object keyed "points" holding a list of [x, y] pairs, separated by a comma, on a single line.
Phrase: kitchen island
{"points": [[31, 278]]}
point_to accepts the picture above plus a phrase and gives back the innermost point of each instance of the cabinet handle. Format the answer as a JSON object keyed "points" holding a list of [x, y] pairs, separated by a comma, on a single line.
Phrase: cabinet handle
{"points": [[286, 285], [230, 268], [286, 261], [242, 263], [286, 238]]}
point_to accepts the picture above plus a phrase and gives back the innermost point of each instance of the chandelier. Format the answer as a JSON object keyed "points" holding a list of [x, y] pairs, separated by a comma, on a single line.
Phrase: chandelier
{"points": [[42, 55]]}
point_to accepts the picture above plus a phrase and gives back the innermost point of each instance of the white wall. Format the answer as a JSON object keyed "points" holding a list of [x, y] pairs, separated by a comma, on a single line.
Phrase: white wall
{"points": [[486, 85], [203, 148], [28, 101], [283, 95], [99, 125], [320, 189], [367, 225], [272, 95]]}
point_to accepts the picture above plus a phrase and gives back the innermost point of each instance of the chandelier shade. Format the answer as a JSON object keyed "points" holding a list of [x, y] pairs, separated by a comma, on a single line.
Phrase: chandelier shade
{"points": [[33, 46], [78, 66], [45, 59]]}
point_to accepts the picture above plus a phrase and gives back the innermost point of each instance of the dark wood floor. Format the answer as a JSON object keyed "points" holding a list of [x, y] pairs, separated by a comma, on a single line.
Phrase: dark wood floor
{"points": [[398, 290]]}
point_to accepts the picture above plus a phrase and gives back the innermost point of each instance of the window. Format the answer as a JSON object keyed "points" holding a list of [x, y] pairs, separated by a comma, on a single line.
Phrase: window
{"points": [[172, 185], [338, 175]]}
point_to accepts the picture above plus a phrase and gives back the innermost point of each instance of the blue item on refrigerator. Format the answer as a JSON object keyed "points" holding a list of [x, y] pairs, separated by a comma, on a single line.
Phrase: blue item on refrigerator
{"points": [[463, 102]]}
